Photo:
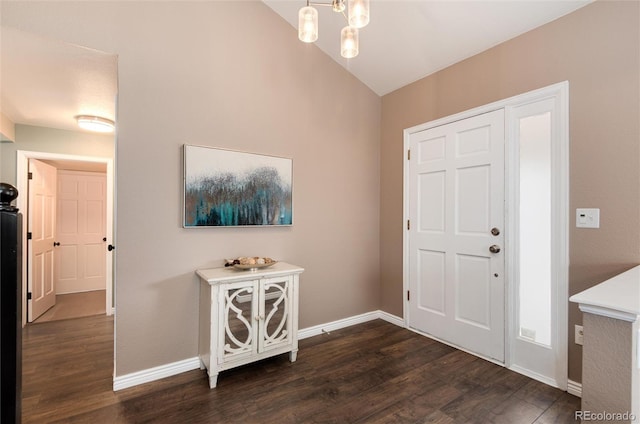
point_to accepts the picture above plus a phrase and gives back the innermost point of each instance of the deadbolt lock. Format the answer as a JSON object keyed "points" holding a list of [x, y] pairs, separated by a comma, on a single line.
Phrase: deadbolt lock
{"points": [[495, 231]]}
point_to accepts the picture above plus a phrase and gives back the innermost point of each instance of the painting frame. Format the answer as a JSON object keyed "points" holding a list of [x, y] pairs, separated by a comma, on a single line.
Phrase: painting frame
{"points": [[224, 188]]}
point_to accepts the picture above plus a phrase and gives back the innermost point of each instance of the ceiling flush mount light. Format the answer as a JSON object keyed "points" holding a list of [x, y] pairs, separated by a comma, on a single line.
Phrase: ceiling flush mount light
{"points": [[95, 123], [358, 17]]}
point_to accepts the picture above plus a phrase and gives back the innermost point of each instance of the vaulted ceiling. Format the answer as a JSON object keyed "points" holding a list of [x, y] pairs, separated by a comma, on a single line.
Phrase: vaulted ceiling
{"points": [[408, 40], [46, 83]]}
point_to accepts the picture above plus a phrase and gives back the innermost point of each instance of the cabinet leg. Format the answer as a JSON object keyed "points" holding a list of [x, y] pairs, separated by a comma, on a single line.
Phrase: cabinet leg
{"points": [[293, 355], [213, 381]]}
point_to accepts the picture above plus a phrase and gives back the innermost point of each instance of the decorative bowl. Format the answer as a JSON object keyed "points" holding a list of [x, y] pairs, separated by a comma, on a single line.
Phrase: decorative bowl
{"points": [[252, 262], [253, 266]]}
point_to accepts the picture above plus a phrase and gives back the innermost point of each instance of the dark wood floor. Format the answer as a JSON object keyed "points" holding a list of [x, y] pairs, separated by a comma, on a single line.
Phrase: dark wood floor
{"points": [[370, 373]]}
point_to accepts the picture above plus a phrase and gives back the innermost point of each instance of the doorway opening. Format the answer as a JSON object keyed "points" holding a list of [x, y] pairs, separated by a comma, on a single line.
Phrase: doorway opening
{"points": [[73, 167]]}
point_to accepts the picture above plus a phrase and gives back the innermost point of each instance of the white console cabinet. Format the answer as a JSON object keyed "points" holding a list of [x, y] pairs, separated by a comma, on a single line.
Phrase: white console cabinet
{"points": [[247, 315]]}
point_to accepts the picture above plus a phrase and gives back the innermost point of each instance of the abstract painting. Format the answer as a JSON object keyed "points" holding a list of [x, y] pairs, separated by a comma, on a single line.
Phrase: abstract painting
{"points": [[226, 188]]}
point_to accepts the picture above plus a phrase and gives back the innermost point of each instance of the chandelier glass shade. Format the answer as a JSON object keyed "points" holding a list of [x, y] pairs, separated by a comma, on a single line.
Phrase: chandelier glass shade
{"points": [[358, 13], [349, 42], [308, 24]]}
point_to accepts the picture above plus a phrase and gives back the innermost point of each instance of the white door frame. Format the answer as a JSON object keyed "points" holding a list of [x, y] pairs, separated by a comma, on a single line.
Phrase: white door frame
{"points": [[560, 169], [22, 167]]}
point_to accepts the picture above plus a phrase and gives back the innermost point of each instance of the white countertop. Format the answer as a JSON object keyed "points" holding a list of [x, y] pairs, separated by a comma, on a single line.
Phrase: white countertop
{"points": [[228, 274], [617, 297]]}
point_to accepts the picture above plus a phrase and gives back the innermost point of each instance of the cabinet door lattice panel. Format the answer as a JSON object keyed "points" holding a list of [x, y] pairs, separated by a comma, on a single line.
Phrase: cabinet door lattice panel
{"points": [[276, 323], [238, 328]]}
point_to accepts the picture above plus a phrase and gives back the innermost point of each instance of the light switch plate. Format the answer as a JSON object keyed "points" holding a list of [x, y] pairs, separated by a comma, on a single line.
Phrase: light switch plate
{"points": [[588, 218]]}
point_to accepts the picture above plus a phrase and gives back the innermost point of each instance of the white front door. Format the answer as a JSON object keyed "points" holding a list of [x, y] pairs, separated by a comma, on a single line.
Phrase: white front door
{"points": [[80, 258], [456, 233], [42, 228]]}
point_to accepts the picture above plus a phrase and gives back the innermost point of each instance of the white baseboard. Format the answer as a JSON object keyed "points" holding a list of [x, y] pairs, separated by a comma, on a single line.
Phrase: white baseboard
{"points": [[155, 373], [74, 291], [574, 388], [174, 368], [392, 319], [348, 322]]}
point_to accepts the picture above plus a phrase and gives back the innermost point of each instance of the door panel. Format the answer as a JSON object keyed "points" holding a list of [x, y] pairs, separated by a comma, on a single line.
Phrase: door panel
{"points": [[42, 226], [473, 291], [67, 269], [431, 149], [472, 200], [431, 271], [456, 195], [81, 260], [432, 204], [94, 262], [473, 141]]}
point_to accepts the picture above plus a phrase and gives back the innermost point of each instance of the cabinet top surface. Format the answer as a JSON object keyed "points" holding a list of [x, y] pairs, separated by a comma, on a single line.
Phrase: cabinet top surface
{"points": [[620, 293], [226, 274]]}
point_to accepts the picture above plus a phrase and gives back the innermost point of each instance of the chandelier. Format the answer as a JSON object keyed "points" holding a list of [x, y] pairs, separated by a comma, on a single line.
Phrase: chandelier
{"points": [[357, 17]]}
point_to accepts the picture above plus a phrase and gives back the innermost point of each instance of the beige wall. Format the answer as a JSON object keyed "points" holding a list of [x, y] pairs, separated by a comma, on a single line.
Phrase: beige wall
{"points": [[40, 139], [7, 129], [597, 50], [7, 135], [232, 75]]}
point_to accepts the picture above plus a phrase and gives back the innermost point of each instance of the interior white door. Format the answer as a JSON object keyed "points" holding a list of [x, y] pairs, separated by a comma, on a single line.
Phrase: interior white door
{"points": [[81, 232], [456, 233], [42, 227]]}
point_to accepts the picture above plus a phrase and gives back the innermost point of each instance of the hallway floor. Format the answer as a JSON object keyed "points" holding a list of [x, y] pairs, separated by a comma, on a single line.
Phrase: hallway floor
{"points": [[76, 305]]}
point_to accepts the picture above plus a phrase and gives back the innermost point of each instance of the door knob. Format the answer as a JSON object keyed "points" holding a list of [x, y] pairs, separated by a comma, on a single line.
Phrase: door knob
{"points": [[56, 243], [110, 247], [495, 231], [494, 248]]}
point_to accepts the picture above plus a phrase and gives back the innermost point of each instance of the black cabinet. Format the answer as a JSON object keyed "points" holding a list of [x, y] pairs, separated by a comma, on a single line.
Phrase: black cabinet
{"points": [[10, 307]]}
